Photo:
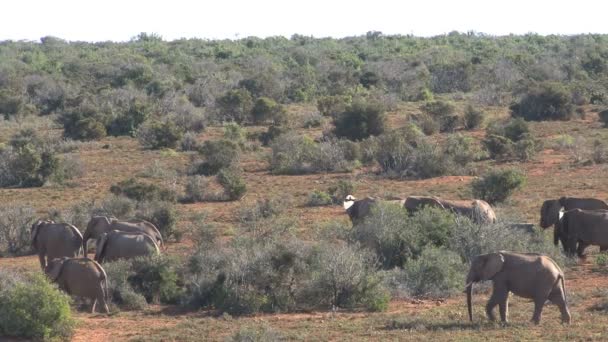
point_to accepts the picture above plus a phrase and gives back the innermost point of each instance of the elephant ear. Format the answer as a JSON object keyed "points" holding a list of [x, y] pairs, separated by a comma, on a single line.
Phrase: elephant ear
{"points": [[35, 230], [549, 213], [54, 268], [492, 265]]}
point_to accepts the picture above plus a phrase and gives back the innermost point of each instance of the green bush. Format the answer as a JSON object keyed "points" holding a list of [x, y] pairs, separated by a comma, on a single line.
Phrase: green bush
{"points": [[511, 140], [497, 186], [428, 124], [196, 189], [340, 190], [140, 191], [31, 164], [262, 333], [498, 147], [437, 272], [10, 104], [462, 149], [547, 101], [231, 179], [235, 133], [333, 105], [15, 224], [158, 279], [120, 290], [157, 135], [235, 105], [439, 108], [83, 122], [264, 209], [473, 118], [162, 214], [292, 154], [129, 117], [217, 155], [319, 198], [360, 120], [32, 308], [189, 142], [599, 152], [265, 109]]}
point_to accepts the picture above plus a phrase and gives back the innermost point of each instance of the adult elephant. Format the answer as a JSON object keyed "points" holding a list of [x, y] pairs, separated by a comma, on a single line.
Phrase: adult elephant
{"points": [[477, 210], [357, 210], [578, 229], [549, 211], [80, 277], [99, 225], [53, 240], [527, 275], [124, 245]]}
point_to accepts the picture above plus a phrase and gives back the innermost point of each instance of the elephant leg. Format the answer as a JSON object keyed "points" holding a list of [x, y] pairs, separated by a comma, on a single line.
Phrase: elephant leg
{"points": [[494, 300], [42, 261], [603, 248], [503, 307], [94, 305], [580, 250], [558, 297], [538, 309]]}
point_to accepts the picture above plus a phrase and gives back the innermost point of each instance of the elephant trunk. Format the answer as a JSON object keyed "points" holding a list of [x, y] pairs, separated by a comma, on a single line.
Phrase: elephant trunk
{"points": [[469, 291], [85, 239]]}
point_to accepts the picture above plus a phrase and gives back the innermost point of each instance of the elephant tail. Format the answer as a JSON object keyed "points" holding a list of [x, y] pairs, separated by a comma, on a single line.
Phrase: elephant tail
{"points": [[561, 278]]}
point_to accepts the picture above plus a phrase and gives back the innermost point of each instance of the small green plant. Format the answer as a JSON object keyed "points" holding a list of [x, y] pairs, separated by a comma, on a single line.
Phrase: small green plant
{"points": [[231, 179], [140, 191], [157, 135], [437, 272], [360, 120], [319, 198], [497, 186], [32, 308], [473, 118], [217, 155], [547, 101], [601, 260], [340, 190]]}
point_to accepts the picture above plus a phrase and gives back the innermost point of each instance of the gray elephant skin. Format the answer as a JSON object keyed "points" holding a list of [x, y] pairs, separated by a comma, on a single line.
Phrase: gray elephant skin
{"points": [[549, 211], [527, 275], [99, 225], [477, 210], [80, 277], [53, 240], [124, 245], [578, 229]]}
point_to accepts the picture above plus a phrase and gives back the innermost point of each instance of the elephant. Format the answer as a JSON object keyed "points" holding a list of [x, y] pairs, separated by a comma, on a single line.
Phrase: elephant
{"points": [[103, 224], [477, 210], [80, 277], [55, 240], [583, 228], [124, 245], [527, 275], [549, 211], [357, 210]]}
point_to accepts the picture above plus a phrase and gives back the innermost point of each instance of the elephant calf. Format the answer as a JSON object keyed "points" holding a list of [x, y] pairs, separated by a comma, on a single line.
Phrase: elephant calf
{"points": [[124, 245], [80, 277], [527, 275]]}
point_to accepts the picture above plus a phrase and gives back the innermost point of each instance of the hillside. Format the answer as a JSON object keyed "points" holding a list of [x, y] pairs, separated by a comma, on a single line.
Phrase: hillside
{"points": [[186, 83]]}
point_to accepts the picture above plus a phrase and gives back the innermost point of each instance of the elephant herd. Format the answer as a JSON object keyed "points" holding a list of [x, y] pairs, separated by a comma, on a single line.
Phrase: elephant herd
{"points": [[62, 252], [578, 223]]}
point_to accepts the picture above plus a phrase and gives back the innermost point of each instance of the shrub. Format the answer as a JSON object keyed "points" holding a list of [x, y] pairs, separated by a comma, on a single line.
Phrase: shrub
{"points": [[511, 139], [333, 105], [319, 198], [345, 276], [189, 142], [10, 104], [266, 109], [340, 190], [231, 179], [498, 147], [437, 272], [428, 125], [473, 118], [263, 209], [235, 133], [439, 108], [599, 152], [329, 156], [217, 155], [113, 205], [263, 333], [547, 101], [360, 120], [83, 122], [119, 289], [140, 191], [162, 214], [292, 154], [196, 189], [603, 115], [15, 224], [131, 113], [462, 149], [497, 186], [32, 308], [235, 105], [272, 133], [157, 135], [157, 278]]}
